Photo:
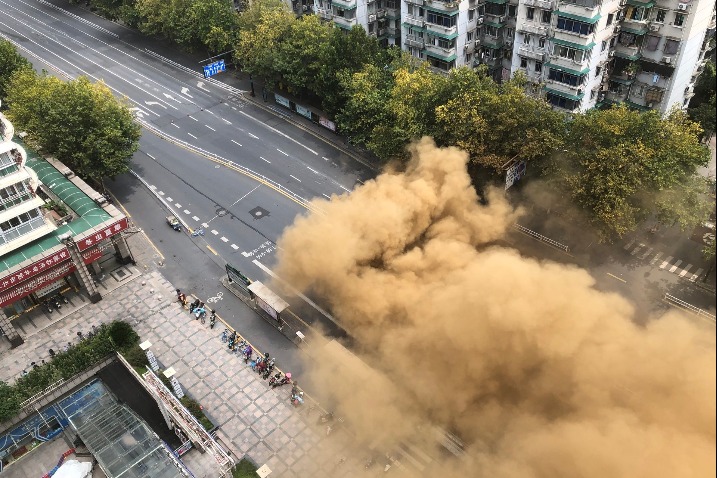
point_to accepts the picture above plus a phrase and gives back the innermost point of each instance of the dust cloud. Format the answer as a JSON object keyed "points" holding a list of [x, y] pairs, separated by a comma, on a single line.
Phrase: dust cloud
{"points": [[541, 374]]}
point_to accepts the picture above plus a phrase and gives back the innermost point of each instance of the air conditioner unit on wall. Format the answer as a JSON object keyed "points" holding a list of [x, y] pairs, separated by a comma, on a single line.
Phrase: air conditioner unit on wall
{"points": [[611, 54], [667, 59], [682, 6], [480, 21], [649, 105], [654, 28]]}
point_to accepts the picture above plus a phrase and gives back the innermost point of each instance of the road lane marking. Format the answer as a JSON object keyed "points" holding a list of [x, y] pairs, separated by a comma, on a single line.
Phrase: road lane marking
{"points": [[205, 225], [279, 132], [312, 170], [177, 205], [234, 108], [186, 211], [295, 177], [238, 144], [214, 231], [253, 136], [629, 244], [327, 197], [169, 199], [649, 251], [192, 117], [226, 121], [223, 239], [175, 125], [190, 134], [195, 218], [261, 157], [213, 251], [674, 266], [638, 248], [616, 277], [696, 275], [285, 154], [665, 262], [325, 158], [209, 127], [150, 155], [235, 247], [656, 258], [161, 193], [685, 270]]}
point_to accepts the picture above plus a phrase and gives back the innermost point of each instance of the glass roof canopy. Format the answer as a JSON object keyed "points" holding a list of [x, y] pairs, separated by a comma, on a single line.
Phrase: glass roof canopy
{"points": [[121, 442]]}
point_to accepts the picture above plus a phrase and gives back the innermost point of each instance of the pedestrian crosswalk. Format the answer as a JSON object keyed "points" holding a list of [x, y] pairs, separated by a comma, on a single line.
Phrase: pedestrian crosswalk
{"points": [[669, 264]]}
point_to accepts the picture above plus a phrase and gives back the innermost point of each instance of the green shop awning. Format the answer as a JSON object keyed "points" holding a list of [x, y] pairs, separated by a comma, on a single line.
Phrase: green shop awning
{"points": [[634, 57], [635, 106], [568, 70], [564, 94], [637, 30], [576, 46], [622, 81], [571, 16], [441, 57], [638, 3]]}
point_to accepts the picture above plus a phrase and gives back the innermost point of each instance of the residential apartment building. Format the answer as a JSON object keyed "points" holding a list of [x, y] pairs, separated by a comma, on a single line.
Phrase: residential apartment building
{"points": [[578, 54]]}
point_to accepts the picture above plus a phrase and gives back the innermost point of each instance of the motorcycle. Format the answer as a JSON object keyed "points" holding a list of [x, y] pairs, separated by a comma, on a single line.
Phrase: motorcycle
{"points": [[283, 381], [56, 303], [48, 306], [268, 369], [63, 298], [200, 313], [212, 320], [297, 399], [274, 379]]}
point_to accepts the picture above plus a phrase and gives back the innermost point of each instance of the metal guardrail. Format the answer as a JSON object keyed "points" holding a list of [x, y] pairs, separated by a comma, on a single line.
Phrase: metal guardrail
{"points": [[690, 308], [541, 237]]}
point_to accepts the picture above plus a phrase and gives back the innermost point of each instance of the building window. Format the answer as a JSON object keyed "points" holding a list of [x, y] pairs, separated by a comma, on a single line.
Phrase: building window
{"points": [[628, 39], [575, 26], [598, 70], [441, 20], [469, 58], [530, 13], [679, 19], [471, 14], [545, 16], [491, 31], [603, 46], [512, 11], [660, 16], [565, 78], [523, 62], [671, 47], [568, 53], [651, 42], [469, 36], [610, 18], [541, 42], [526, 39], [538, 66], [440, 64], [446, 44], [638, 14], [561, 102], [592, 94], [654, 95]]}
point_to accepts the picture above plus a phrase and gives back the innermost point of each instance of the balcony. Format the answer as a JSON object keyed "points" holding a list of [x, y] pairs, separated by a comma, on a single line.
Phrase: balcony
{"points": [[445, 31], [393, 13], [583, 8], [447, 54], [345, 4], [469, 47], [324, 14], [530, 51], [534, 28], [415, 21], [498, 21], [544, 4], [578, 65], [492, 42], [444, 6], [343, 22], [415, 2], [392, 32], [414, 41]]}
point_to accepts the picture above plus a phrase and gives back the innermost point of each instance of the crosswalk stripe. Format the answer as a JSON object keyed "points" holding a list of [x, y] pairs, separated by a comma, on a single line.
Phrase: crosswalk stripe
{"points": [[635, 250], [665, 262], [152, 186], [169, 199], [684, 271], [214, 231], [161, 193], [675, 265], [696, 275], [656, 258], [186, 211], [629, 245], [649, 251], [224, 239], [235, 247], [195, 218]]}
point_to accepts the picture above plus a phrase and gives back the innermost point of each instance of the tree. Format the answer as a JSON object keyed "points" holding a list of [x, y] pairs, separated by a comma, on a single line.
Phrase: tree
{"points": [[9, 402], [298, 56], [484, 118], [10, 62], [622, 166], [706, 115], [702, 105], [263, 27], [79, 122]]}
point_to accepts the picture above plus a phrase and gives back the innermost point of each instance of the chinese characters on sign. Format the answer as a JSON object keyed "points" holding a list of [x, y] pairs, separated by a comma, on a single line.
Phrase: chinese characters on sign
{"points": [[214, 68], [36, 283], [110, 230], [33, 269]]}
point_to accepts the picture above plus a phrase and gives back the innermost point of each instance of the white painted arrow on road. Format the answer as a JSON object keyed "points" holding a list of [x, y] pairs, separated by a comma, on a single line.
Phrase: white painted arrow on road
{"points": [[154, 103], [200, 85], [185, 92], [138, 112], [168, 96]]}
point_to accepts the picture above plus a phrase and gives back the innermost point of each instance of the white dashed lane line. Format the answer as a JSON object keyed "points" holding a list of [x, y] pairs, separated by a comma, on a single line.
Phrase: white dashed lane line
{"points": [[195, 218], [235, 247], [238, 144], [214, 231], [209, 127], [192, 117], [253, 136], [190, 134], [285, 154], [169, 199], [175, 125], [223, 239], [295, 177], [186, 211], [261, 157]]}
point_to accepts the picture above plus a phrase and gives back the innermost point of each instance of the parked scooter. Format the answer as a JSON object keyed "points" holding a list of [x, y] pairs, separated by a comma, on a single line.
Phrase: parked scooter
{"points": [[56, 302], [276, 377], [283, 381], [213, 319], [48, 306], [63, 298]]}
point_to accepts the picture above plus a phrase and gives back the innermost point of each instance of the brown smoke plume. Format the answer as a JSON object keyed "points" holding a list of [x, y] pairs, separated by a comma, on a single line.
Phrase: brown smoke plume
{"points": [[544, 375]]}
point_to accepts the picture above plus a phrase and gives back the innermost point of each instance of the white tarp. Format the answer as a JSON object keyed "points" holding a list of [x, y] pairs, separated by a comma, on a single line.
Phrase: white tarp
{"points": [[74, 469]]}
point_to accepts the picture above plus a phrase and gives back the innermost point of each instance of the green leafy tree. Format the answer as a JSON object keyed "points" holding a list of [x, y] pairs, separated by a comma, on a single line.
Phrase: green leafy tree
{"points": [[263, 27], [10, 62], [621, 166], [79, 122], [9, 403], [298, 56], [706, 115], [702, 107], [497, 123], [342, 55]]}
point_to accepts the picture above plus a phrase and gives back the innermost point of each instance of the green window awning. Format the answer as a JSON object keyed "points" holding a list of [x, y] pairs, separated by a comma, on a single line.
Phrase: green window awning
{"points": [[414, 27], [442, 35], [571, 16], [441, 57], [635, 30], [569, 44], [563, 94], [498, 2], [341, 25], [635, 106], [568, 70], [638, 3], [346, 5], [496, 25], [622, 81], [634, 57]]}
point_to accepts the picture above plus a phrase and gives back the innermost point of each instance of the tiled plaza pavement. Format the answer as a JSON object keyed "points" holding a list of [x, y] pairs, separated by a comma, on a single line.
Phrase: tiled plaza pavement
{"points": [[254, 420]]}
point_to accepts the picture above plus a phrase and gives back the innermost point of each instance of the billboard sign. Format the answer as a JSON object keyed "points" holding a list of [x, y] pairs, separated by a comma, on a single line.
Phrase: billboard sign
{"points": [[514, 173], [214, 68]]}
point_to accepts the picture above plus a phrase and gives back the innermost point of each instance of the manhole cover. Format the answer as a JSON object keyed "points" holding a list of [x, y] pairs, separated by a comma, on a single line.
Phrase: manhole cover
{"points": [[259, 212], [221, 212]]}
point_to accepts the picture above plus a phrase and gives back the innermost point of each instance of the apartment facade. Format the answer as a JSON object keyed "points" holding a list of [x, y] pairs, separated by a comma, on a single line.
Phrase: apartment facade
{"points": [[577, 54]]}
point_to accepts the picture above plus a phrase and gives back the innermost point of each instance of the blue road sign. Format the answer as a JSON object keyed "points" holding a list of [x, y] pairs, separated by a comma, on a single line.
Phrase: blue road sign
{"points": [[214, 68]]}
